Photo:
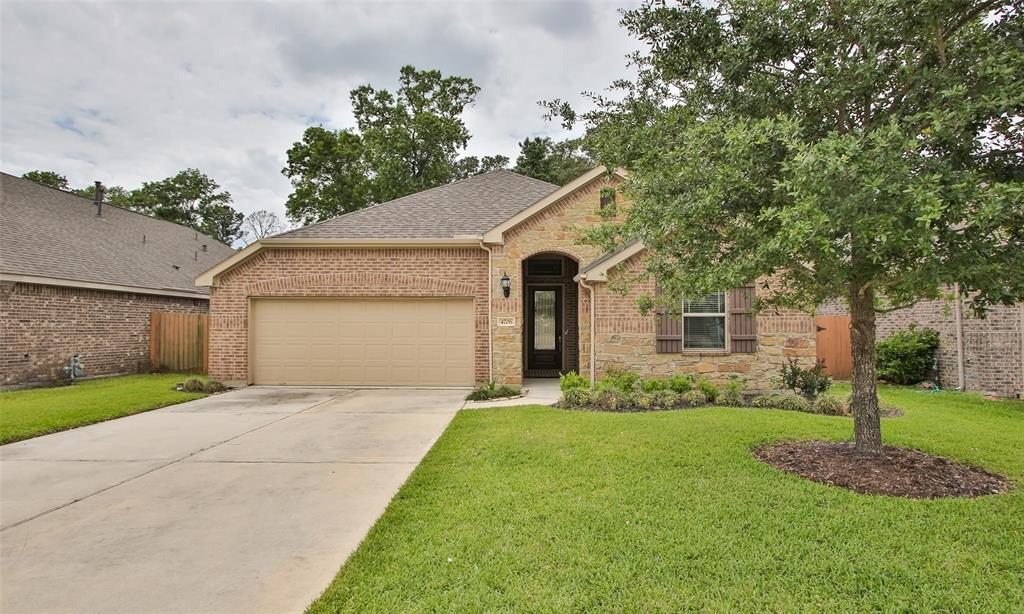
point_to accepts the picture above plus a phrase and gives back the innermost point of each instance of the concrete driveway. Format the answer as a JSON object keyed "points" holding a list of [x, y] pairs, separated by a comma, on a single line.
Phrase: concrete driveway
{"points": [[243, 502]]}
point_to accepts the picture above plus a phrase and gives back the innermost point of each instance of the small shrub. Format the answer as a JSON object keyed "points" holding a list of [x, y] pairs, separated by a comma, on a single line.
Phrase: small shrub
{"points": [[575, 398], [213, 386], [732, 394], [492, 390], [643, 401], [829, 405], [906, 356], [195, 385], [695, 398], [654, 384], [681, 383], [664, 399], [808, 382], [609, 399], [710, 390], [788, 401], [619, 379], [571, 380]]}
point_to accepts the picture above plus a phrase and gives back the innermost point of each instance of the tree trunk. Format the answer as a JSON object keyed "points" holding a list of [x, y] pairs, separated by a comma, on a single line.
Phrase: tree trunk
{"points": [[867, 424]]}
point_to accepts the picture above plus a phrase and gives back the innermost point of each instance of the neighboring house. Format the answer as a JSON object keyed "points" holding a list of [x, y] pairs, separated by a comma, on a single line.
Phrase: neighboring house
{"points": [[410, 292], [975, 354], [76, 278]]}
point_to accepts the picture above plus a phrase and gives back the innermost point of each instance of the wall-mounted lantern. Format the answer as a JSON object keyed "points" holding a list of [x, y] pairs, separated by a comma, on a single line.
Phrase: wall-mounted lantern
{"points": [[506, 284]]}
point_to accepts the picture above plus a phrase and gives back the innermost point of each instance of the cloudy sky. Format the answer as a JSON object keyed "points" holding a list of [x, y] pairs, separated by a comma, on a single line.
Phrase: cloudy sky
{"points": [[128, 92]]}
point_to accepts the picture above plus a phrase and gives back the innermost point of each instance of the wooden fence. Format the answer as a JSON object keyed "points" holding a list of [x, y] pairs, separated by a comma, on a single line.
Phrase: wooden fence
{"points": [[178, 341], [833, 343]]}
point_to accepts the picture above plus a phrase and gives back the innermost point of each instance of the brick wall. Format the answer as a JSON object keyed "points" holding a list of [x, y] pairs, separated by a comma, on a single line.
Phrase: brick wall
{"points": [[341, 272], [993, 355], [41, 327]]}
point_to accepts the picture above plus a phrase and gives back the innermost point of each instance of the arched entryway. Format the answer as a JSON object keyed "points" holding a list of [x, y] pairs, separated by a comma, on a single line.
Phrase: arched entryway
{"points": [[550, 315]]}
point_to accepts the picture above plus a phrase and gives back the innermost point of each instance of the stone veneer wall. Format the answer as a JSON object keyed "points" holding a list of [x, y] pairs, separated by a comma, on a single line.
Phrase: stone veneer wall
{"points": [[41, 327], [341, 272], [993, 352], [626, 339]]}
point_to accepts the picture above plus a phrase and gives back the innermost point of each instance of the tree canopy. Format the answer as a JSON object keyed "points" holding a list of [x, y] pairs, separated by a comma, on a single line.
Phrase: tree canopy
{"points": [[869, 150], [555, 162], [48, 178]]}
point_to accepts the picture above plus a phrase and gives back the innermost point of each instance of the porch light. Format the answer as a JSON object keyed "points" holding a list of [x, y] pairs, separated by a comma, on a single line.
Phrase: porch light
{"points": [[506, 284]]}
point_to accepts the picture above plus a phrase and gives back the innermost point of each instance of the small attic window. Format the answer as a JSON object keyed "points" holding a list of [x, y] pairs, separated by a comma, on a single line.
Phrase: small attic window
{"points": [[608, 200]]}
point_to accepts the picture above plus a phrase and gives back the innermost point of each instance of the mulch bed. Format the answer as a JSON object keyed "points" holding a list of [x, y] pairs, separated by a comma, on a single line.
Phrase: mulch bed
{"points": [[897, 472]]}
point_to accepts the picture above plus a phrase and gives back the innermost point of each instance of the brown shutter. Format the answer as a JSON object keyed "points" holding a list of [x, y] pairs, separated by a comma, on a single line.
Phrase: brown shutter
{"points": [[669, 337], [743, 320]]}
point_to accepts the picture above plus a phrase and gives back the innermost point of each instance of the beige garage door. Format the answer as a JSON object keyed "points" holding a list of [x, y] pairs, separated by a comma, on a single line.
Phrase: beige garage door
{"points": [[363, 342]]}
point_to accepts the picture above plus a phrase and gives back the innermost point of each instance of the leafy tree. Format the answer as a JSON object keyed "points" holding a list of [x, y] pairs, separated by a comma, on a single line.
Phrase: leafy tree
{"points": [[113, 194], [261, 224], [554, 162], [866, 149], [192, 199], [48, 178], [412, 137], [471, 165], [329, 175]]}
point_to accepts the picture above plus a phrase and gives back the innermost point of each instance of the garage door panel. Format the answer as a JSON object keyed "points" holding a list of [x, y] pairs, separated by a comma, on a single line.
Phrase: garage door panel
{"points": [[363, 341]]}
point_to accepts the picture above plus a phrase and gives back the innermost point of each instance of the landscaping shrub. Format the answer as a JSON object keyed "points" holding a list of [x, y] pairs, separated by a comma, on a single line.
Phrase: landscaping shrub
{"points": [[732, 394], [213, 386], [789, 401], [906, 356], [664, 399], [195, 385], [571, 380], [643, 401], [695, 398], [575, 398], [654, 384], [829, 405], [619, 379], [609, 399], [681, 383], [808, 382], [710, 390], [492, 390]]}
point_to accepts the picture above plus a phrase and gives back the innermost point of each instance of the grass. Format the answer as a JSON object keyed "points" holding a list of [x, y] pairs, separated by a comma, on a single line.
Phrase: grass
{"points": [[38, 411], [540, 509]]}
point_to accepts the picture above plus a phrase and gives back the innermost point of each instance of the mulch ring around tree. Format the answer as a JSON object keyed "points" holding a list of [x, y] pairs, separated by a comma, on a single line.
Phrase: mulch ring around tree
{"points": [[896, 472]]}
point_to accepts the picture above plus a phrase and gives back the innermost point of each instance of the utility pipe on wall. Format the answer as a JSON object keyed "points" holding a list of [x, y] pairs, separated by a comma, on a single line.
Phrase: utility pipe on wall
{"points": [[593, 336], [490, 330], [959, 317]]}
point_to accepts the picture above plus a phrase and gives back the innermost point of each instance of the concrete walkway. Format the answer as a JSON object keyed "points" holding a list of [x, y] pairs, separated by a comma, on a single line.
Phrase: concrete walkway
{"points": [[243, 502]]}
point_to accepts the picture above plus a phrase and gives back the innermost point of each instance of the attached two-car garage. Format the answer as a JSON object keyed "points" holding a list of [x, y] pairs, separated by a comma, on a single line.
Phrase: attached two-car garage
{"points": [[362, 342]]}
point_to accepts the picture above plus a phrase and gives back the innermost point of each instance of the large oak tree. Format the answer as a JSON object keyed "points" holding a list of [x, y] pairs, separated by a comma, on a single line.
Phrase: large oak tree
{"points": [[864, 149]]}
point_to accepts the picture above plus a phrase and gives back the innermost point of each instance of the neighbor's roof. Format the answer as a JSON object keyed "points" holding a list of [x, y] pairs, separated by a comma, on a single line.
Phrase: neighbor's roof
{"points": [[467, 207], [53, 234]]}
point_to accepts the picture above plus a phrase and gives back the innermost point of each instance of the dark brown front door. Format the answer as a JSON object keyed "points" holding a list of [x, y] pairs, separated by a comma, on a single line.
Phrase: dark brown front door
{"points": [[544, 328]]}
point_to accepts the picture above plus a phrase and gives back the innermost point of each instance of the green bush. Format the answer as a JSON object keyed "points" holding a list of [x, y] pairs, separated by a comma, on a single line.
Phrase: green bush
{"points": [[213, 386], [575, 398], [571, 380], [789, 401], [643, 401], [710, 390], [619, 379], [664, 399], [906, 356], [808, 382], [829, 405], [195, 385], [609, 399], [695, 398], [732, 394], [492, 390], [654, 384], [681, 383]]}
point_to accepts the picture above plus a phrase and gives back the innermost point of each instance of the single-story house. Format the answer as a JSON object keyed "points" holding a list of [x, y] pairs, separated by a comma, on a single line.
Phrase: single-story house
{"points": [[481, 279], [975, 354], [79, 276]]}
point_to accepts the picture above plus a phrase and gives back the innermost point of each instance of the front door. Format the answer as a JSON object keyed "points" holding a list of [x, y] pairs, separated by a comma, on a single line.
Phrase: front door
{"points": [[544, 330]]}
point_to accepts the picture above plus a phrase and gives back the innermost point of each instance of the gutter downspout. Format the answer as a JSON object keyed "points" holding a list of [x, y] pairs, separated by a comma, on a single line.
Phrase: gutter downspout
{"points": [[593, 336], [1020, 391], [490, 308], [959, 316]]}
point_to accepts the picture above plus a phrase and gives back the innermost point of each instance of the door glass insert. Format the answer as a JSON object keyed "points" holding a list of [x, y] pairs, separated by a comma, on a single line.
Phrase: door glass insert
{"points": [[543, 319]]}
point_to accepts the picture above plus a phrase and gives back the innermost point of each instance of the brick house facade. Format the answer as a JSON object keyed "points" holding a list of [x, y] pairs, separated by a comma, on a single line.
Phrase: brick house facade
{"points": [[370, 254]]}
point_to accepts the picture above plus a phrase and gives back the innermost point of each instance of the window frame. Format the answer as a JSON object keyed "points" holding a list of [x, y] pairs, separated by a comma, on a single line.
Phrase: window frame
{"points": [[724, 314]]}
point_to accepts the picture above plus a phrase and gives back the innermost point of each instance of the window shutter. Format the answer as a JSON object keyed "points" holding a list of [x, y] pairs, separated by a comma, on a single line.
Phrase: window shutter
{"points": [[743, 320], [669, 338]]}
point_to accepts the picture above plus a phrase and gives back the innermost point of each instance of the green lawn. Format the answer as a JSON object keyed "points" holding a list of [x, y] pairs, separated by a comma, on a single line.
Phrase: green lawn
{"points": [[542, 509], [38, 411]]}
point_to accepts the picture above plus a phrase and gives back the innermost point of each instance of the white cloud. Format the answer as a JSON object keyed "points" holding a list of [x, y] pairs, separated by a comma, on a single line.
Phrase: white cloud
{"points": [[130, 92]]}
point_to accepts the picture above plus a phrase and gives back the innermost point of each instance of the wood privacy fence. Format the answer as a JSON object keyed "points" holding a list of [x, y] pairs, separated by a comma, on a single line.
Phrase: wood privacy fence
{"points": [[178, 341], [833, 343]]}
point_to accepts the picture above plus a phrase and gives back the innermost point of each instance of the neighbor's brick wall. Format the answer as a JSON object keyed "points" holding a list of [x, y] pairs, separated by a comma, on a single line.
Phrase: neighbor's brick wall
{"points": [[341, 272], [552, 231], [626, 339], [993, 356], [41, 327]]}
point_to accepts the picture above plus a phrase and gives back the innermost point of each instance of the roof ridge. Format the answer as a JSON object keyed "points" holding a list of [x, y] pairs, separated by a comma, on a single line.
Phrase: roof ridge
{"points": [[517, 174]]}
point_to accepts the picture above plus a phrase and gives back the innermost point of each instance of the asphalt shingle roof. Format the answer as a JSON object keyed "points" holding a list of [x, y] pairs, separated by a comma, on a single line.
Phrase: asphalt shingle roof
{"points": [[47, 232], [467, 207]]}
